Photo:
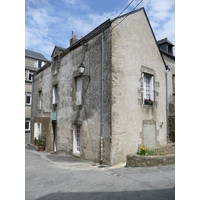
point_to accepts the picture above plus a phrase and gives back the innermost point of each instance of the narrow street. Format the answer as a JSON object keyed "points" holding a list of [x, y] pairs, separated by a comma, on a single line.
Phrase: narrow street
{"points": [[56, 177]]}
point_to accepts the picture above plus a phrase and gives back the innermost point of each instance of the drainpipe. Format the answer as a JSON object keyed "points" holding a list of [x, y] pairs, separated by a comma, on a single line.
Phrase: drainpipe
{"points": [[168, 69], [31, 109], [102, 65]]}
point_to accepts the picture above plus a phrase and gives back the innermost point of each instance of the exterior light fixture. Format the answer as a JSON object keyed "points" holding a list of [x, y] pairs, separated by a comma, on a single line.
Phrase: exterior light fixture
{"points": [[81, 69]]}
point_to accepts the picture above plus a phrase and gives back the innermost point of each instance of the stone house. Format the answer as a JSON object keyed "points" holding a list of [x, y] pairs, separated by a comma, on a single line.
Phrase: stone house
{"points": [[113, 107], [33, 62]]}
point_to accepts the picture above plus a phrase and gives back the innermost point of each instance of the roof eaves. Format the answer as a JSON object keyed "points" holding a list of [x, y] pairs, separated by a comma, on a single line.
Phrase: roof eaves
{"points": [[165, 40], [89, 36]]}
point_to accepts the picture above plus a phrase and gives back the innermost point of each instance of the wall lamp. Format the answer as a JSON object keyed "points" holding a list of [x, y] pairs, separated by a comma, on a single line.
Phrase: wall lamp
{"points": [[81, 69]]}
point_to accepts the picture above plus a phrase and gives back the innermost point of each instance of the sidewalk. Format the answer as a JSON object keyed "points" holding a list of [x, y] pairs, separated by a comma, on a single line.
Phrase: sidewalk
{"points": [[66, 160]]}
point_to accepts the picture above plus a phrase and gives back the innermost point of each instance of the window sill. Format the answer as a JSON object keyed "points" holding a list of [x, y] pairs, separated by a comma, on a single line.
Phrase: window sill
{"points": [[28, 104]]}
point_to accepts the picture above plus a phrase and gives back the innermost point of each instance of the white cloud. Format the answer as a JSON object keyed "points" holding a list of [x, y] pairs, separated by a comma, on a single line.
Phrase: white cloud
{"points": [[46, 27]]}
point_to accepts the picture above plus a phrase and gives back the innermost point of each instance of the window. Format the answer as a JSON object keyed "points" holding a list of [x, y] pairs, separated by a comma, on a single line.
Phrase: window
{"points": [[30, 78], [27, 124], [148, 82], [79, 91], [40, 100], [39, 64], [56, 64], [77, 139], [173, 83], [36, 63], [54, 98], [28, 98], [37, 129]]}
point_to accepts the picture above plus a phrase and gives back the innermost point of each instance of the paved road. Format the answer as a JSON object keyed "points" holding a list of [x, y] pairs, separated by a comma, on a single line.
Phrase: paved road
{"points": [[53, 177]]}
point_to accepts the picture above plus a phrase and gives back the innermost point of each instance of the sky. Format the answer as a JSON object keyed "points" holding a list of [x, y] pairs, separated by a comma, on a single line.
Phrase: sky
{"points": [[49, 23]]}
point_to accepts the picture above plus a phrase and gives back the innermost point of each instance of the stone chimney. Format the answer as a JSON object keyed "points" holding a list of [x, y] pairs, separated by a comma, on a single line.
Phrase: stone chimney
{"points": [[73, 39]]}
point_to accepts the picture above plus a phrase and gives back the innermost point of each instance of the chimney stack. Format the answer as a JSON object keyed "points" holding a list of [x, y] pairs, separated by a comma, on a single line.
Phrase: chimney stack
{"points": [[73, 39]]}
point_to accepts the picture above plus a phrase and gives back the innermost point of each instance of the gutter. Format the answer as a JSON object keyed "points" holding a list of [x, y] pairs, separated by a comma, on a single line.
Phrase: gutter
{"points": [[102, 66]]}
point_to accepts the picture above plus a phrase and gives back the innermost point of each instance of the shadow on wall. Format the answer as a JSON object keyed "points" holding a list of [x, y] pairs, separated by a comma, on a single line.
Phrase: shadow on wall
{"points": [[164, 194]]}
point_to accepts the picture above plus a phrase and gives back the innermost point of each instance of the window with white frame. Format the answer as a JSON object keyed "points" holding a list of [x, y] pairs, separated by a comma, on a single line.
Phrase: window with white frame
{"points": [[36, 63], [148, 90], [28, 98], [27, 124], [54, 96], [79, 91]]}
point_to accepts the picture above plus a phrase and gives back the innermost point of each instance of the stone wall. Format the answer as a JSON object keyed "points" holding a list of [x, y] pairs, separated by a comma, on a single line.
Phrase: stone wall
{"points": [[145, 161], [134, 52]]}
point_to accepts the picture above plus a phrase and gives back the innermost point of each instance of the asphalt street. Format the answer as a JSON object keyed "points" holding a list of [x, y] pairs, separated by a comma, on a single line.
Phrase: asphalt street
{"points": [[58, 177]]}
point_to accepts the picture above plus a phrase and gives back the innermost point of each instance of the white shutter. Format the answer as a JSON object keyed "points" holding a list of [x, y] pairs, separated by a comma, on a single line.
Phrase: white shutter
{"points": [[79, 91], [144, 88], [36, 64], [151, 88], [43, 63]]}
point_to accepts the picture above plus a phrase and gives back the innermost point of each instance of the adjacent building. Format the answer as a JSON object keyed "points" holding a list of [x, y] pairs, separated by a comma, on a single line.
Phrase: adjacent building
{"points": [[33, 62], [166, 49], [104, 96]]}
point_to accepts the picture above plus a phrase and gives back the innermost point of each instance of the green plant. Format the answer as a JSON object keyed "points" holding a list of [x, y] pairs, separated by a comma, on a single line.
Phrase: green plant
{"points": [[172, 135], [145, 152], [142, 151], [148, 102], [41, 141]]}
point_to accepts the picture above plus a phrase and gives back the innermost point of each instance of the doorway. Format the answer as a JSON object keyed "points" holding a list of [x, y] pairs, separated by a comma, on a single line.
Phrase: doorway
{"points": [[77, 139], [54, 136]]}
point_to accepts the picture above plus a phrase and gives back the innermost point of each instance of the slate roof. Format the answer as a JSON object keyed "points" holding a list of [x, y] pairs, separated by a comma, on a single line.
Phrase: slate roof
{"points": [[36, 55], [165, 40]]}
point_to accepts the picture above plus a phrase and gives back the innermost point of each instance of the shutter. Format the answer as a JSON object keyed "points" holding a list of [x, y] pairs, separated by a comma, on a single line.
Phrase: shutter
{"points": [[35, 130], [151, 88], [144, 88], [43, 63], [36, 64]]}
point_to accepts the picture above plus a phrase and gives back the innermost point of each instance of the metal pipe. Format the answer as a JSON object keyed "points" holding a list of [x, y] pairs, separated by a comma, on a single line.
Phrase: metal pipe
{"points": [[167, 105], [102, 66]]}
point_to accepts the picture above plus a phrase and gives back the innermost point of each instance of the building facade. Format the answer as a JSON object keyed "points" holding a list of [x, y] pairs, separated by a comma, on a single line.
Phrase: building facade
{"points": [[33, 62], [116, 106], [166, 48]]}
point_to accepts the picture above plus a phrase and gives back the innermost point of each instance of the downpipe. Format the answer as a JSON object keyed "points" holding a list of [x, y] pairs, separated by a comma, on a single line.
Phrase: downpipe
{"points": [[102, 67]]}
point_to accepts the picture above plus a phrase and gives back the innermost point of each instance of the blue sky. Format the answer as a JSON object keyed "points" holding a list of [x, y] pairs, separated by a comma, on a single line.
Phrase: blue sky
{"points": [[50, 22]]}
